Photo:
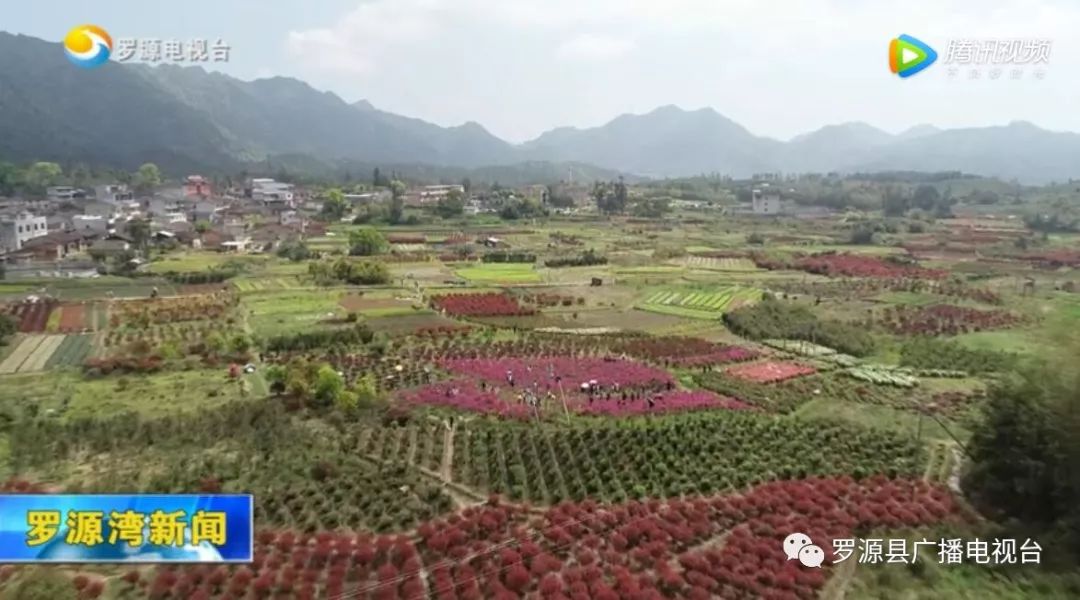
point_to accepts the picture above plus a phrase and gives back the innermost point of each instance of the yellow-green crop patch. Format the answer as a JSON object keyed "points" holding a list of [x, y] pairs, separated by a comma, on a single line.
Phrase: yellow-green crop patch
{"points": [[500, 273], [259, 284], [744, 265], [700, 304]]}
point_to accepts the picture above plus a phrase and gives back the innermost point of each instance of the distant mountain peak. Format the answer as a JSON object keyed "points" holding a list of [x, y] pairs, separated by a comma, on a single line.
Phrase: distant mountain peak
{"points": [[193, 120], [917, 131]]}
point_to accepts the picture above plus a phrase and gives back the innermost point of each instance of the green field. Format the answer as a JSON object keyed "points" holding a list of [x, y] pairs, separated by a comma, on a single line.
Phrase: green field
{"points": [[200, 261], [275, 312], [739, 265], [700, 304], [499, 273], [258, 284]]}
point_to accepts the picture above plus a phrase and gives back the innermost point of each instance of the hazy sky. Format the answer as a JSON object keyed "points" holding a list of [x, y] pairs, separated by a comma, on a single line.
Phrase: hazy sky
{"points": [[520, 67]]}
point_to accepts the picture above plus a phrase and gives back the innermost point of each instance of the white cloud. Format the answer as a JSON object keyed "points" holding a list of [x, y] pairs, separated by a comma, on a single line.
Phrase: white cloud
{"points": [[779, 68], [364, 36], [596, 47]]}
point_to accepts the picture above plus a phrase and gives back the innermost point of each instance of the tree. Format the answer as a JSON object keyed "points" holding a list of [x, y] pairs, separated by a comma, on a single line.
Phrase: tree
{"points": [[451, 205], [139, 231], [651, 208], [347, 401], [466, 184], [215, 342], [240, 343], [10, 178], [397, 202], [328, 386], [1025, 453], [895, 202], [81, 176], [40, 176], [294, 251], [275, 376], [334, 206], [147, 178], [622, 195], [7, 327], [366, 241], [378, 179], [610, 197], [926, 197], [367, 392]]}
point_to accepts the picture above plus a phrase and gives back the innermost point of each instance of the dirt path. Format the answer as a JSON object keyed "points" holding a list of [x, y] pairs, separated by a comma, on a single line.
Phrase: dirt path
{"points": [[836, 587], [410, 455], [446, 467]]}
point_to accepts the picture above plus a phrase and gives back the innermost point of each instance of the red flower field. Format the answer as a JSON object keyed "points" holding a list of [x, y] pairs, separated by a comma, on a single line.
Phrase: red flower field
{"points": [[480, 305], [944, 319], [727, 546], [549, 373], [30, 317]]}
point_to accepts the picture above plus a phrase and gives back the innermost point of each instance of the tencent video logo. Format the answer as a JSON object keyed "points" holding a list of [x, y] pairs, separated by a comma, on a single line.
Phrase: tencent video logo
{"points": [[908, 55], [88, 46]]}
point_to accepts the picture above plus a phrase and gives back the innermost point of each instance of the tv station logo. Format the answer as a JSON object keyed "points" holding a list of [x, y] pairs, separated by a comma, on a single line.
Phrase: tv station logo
{"points": [[973, 59], [909, 55]]}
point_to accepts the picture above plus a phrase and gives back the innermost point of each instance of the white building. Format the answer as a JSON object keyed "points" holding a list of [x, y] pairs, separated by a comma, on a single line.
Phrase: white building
{"points": [[113, 194], [90, 224], [434, 192], [18, 229], [766, 202], [64, 192], [268, 191]]}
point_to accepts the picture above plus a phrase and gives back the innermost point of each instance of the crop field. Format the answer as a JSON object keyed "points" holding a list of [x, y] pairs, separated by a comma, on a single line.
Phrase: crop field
{"points": [[705, 304], [153, 395], [720, 264], [650, 426], [259, 284], [499, 273], [199, 261], [283, 311]]}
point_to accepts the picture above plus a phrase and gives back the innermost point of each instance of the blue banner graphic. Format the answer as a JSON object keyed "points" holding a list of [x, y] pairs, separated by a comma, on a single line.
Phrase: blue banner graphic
{"points": [[145, 528]]}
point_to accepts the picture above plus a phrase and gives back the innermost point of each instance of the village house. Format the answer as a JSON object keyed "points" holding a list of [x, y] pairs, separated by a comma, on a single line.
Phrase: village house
{"points": [[197, 186], [90, 224], [270, 192], [206, 211], [430, 194], [97, 208], [61, 193], [116, 193], [211, 239], [17, 229], [56, 246], [765, 202]]}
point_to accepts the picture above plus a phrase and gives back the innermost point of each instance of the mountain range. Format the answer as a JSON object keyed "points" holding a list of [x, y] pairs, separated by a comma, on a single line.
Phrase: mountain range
{"points": [[188, 119]]}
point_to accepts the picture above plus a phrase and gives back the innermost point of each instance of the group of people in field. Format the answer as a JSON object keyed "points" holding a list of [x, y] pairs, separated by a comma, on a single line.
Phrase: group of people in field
{"points": [[592, 389]]}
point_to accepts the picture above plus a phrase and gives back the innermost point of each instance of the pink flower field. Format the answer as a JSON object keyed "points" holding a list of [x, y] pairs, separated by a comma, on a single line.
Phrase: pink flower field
{"points": [[665, 402], [464, 395], [543, 372]]}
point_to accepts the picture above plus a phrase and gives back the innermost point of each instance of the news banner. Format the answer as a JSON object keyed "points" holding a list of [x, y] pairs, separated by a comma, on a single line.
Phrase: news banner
{"points": [[133, 528]]}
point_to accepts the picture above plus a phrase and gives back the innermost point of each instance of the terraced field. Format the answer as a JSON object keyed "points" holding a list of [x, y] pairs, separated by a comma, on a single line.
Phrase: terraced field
{"points": [[31, 354], [700, 304], [720, 264], [267, 283]]}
